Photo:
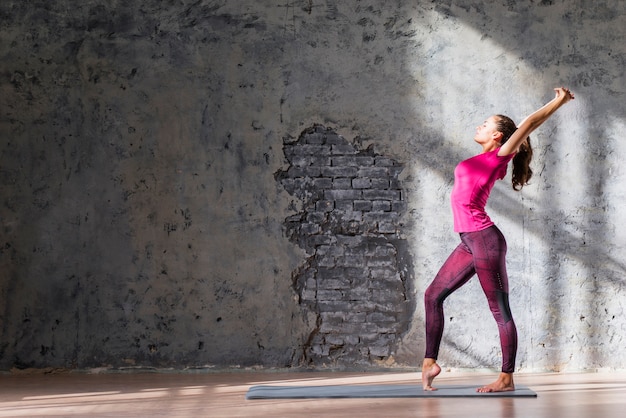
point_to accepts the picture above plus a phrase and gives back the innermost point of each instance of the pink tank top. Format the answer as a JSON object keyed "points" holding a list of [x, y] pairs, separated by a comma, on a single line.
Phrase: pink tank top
{"points": [[473, 180]]}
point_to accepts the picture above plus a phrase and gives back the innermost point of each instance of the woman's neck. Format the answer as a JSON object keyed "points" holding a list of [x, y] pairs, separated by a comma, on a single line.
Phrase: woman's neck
{"points": [[490, 147]]}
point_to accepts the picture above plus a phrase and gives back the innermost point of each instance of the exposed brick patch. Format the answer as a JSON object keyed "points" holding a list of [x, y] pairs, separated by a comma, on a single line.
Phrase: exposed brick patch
{"points": [[356, 277]]}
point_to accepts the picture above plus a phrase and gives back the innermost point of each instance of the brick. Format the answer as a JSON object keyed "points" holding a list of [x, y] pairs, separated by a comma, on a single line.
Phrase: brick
{"points": [[357, 294], [335, 339], [380, 216], [343, 149], [327, 327], [381, 304], [381, 206], [385, 274], [364, 351], [319, 160], [357, 273], [397, 287], [320, 350], [351, 261], [355, 317], [333, 250], [325, 205], [332, 317], [342, 183], [373, 172], [316, 138], [333, 284], [386, 328], [349, 327], [342, 194], [316, 217], [394, 183], [312, 150], [352, 339], [365, 160], [343, 161], [384, 162], [311, 283], [349, 216], [381, 195], [387, 228], [330, 295], [316, 240], [313, 196], [309, 228], [398, 206], [361, 183], [357, 250], [309, 294], [373, 261], [380, 183], [348, 228], [362, 205], [326, 261], [312, 171], [385, 296], [381, 317], [386, 339], [349, 241], [334, 306], [326, 273], [339, 171], [385, 251], [300, 161], [379, 351], [369, 337], [333, 138], [294, 172], [345, 206], [323, 183]]}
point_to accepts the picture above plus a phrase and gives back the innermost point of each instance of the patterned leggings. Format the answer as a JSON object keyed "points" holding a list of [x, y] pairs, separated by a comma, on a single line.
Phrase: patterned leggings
{"points": [[483, 253]]}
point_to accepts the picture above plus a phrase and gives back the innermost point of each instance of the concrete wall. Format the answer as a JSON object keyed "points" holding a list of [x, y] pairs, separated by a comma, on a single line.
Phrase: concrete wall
{"points": [[150, 218]]}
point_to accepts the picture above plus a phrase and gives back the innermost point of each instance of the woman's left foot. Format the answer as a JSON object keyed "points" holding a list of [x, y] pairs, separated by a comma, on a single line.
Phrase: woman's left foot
{"points": [[503, 384]]}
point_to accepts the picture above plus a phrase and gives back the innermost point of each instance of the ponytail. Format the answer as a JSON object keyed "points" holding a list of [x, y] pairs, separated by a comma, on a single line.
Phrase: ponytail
{"points": [[521, 165], [521, 161]]}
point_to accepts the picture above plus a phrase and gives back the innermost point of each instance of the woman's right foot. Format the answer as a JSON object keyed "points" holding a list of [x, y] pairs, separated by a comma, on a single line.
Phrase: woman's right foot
{"points": [[430, 370]]}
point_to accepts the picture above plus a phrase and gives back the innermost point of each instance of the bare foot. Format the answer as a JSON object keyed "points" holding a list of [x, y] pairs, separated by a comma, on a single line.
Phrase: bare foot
{"points": [[430, 370], [503, 384]]}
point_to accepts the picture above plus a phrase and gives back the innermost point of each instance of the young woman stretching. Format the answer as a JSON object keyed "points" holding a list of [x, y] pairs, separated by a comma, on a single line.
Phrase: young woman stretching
{"points": [[482, 249]]}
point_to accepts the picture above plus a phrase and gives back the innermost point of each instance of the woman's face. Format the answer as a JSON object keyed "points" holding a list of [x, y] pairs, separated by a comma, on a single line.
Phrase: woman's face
{"points": [[487, 132]]}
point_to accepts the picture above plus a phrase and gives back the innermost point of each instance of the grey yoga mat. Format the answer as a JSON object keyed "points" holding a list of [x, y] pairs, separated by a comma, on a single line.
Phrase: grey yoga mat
{"points": [[378, 391]]}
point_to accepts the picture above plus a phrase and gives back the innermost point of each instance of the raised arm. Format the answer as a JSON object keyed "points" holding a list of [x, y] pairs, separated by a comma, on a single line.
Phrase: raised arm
{"points": [[534, 120]]}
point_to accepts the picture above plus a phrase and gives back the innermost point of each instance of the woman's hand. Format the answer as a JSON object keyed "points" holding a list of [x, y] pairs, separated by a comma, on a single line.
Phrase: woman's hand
{"points": [[532, 122], [563, 94]]}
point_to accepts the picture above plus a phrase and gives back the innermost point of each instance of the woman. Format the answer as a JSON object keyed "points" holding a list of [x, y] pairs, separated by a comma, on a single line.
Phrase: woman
{"points": [[482, 249]]}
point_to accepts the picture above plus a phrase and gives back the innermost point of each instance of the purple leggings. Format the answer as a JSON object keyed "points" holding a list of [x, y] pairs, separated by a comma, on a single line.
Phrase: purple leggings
{"points": [[483, 253]]}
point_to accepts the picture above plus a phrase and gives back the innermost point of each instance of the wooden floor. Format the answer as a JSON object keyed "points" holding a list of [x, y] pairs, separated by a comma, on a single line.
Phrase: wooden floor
{"points": [[597, 395]]}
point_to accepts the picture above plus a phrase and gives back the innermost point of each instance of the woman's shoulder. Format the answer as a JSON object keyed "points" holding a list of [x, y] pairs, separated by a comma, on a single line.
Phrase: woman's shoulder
{"points": [[495, 154]]}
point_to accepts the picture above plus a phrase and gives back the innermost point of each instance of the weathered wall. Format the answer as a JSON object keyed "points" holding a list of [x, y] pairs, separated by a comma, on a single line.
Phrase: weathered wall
{"points": [[357, 281], [147, 149]]}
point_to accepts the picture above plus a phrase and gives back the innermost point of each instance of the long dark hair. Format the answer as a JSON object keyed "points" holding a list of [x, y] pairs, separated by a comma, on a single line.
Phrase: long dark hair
{"points": [[521, 161]]}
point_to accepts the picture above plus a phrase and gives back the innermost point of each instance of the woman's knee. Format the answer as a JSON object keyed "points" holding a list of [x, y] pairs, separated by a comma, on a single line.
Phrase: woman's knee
{"points": [[499, 305], [435, 295]]}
